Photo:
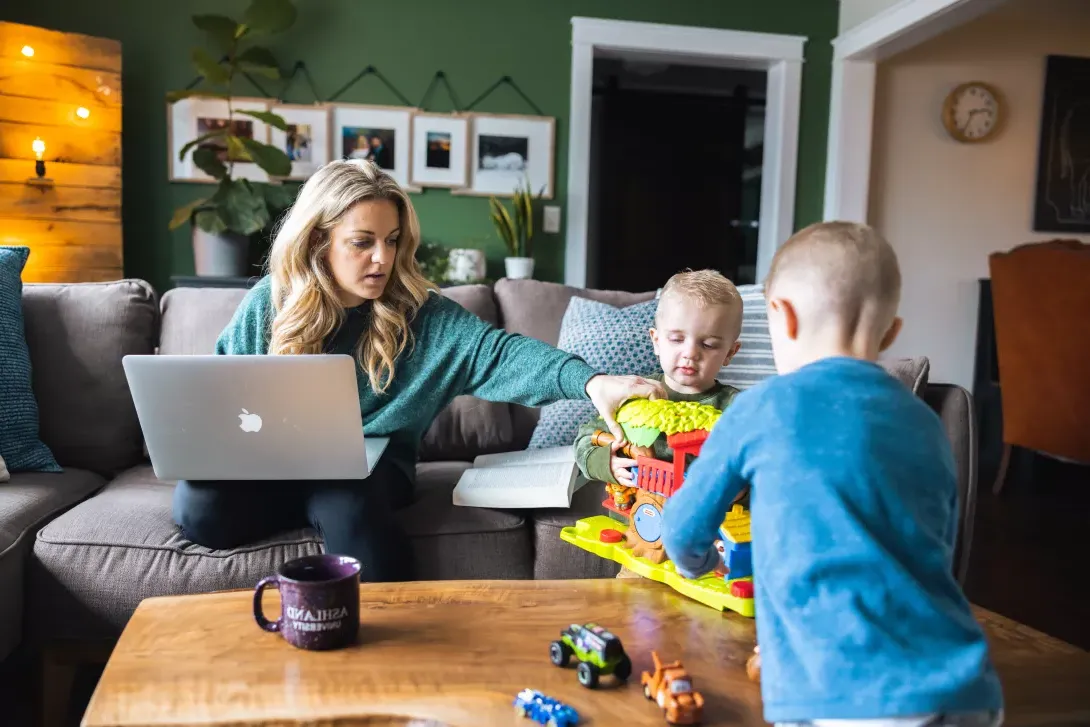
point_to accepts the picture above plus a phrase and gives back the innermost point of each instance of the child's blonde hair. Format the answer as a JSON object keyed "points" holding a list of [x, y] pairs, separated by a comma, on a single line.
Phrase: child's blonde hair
{"points": [[706, 288], [841, 272]]}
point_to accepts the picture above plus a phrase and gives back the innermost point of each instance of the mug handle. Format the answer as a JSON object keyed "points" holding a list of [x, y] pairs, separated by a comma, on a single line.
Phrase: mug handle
{"points": [[259, 616]]}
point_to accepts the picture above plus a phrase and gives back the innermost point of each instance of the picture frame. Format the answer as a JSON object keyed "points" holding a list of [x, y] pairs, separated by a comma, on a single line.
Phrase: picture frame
{"points": [[440, 152], [381, 133], [1059, 201], [191, 117], [505, 150], [307, 143]]}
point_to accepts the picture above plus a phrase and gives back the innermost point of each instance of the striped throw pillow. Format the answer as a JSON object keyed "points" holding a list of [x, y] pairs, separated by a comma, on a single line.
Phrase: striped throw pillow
{"points": [[753, 363]]}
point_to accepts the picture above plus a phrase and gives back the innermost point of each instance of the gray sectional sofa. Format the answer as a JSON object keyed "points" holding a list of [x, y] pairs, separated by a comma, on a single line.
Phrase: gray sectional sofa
{"points": [[79, 550]]}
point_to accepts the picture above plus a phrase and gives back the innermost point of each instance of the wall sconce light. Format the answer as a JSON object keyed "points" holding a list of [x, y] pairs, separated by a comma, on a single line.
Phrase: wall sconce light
{"points": [[82, 112], [28, 51], [39, 166], [39, 149]]}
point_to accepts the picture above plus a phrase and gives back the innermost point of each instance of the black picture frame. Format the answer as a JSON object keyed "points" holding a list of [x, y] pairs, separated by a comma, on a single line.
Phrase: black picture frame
{"points": [[1062, 198]]}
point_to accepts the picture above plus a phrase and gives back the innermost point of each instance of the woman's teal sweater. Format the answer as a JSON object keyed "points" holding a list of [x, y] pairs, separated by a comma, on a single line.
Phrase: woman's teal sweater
{"points": [[455, 352]]}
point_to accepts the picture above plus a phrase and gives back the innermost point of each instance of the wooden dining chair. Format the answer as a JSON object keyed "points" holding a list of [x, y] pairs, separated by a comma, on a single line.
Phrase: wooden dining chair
{"points": [[1041, 301]]}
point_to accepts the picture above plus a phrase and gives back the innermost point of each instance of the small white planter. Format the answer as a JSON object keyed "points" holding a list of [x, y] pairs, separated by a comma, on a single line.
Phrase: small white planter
{"points": [[519, 267], [467, 265]]}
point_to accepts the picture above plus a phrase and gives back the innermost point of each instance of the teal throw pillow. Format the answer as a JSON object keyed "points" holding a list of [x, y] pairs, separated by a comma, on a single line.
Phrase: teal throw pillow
{"points": [[19, 444], [613, 341]]}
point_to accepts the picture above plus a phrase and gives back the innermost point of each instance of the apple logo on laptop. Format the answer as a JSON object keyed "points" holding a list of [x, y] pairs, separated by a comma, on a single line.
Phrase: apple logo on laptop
{"points": [[249, 422]]}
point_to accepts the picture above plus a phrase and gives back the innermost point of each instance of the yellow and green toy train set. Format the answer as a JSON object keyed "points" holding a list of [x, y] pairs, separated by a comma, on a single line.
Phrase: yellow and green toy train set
{"points": [[638, 547]]}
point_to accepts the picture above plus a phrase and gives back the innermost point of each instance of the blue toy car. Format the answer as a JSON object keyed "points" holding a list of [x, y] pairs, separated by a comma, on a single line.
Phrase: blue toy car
{"points": [[545, 710]]}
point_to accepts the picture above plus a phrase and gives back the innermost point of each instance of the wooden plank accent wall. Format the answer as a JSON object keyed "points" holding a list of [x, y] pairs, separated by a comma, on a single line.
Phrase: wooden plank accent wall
{"points": [[73, 226]]}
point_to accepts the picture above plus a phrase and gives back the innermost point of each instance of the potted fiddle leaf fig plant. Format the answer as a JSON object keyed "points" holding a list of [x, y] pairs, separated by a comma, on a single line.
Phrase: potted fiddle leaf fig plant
{"points": [[224, 222], [517, 231]]}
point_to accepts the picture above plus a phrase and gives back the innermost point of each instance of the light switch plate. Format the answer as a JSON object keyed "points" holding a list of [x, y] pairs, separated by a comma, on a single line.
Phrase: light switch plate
{"points": [[551, 221]]}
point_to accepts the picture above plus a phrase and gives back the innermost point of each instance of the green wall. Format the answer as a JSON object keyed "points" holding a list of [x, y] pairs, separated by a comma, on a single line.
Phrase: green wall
{"points": [[474, 41]]}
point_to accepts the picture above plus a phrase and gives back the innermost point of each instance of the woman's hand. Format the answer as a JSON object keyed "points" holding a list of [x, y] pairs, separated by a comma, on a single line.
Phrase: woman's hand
{"points": [[609, 392]]}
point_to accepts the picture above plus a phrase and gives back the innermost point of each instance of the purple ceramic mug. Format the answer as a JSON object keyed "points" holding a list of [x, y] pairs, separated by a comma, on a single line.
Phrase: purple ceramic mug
{"points": [[319, 601]]}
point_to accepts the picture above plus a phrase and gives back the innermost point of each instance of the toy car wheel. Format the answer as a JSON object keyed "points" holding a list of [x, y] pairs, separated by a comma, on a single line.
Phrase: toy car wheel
{"points": [[623, 670], [559, 653], [588, 674]]}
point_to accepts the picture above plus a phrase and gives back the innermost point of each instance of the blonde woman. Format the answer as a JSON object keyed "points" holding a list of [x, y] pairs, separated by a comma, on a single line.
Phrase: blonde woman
{"points": [[343, 279]]}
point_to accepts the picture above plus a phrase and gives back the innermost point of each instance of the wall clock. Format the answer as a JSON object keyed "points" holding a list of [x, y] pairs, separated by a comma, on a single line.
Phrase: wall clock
{"points": [[972, 112]]}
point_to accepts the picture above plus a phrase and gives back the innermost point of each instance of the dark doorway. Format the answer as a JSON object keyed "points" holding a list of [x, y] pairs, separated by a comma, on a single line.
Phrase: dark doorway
{"points": [[675, 179]]}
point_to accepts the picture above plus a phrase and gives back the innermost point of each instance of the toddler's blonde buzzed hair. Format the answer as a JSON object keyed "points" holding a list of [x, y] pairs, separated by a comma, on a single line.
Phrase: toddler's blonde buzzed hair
{"points": [[841, 273], [706, 287]]}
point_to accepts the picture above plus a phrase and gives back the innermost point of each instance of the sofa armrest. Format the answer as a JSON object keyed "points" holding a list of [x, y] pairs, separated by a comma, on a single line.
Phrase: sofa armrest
{"points": [[954, 405]]}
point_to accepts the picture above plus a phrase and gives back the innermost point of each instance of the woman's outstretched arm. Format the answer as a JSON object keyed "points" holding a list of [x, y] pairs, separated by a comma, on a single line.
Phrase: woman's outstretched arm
{"points": [[503, 366]]}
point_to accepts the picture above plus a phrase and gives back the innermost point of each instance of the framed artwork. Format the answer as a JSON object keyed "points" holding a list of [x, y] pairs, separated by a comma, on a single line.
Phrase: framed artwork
{"points": [[380, 133], [440, 150], [306, 142], [505, 150], [1062, 199], [195, 116]]}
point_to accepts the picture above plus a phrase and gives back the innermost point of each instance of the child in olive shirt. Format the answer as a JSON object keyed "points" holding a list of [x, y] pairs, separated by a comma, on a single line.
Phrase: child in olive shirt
{"points": [[697, 323]]}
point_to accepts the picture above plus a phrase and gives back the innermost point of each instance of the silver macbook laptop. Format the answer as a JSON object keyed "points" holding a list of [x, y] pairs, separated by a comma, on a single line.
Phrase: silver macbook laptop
{"points": [[251, 417]]}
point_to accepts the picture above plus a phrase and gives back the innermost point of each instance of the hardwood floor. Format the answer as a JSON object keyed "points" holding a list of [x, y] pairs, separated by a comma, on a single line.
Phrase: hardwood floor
{"points": [[1031, 550]]}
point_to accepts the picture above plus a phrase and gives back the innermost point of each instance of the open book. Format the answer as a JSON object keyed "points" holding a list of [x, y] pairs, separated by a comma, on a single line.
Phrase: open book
{"points": [[528, 479]]}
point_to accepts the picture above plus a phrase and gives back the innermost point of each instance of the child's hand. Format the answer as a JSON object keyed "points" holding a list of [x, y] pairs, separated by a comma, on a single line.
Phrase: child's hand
{"points": [[619, 466]]}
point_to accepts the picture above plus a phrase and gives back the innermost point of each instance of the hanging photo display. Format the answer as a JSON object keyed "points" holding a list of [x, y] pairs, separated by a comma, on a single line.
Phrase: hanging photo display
{"points": [[440, 150], [507, 150], [306, 141], [382, 134]]}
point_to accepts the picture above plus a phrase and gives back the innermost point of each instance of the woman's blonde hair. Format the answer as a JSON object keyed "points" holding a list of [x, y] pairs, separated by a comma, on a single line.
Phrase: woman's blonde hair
{"points": [[306, 306]]}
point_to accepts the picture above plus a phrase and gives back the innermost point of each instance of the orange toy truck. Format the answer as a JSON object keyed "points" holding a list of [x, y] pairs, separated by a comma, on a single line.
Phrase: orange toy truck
{"points": [[672, 688]]}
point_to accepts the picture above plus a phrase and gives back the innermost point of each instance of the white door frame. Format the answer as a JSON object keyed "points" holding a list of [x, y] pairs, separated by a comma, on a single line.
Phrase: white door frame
{"points": [[780, 55], [856, 54]]}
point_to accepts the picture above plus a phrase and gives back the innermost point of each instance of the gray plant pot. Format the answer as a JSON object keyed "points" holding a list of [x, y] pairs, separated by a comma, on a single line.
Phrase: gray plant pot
{"points": [[226, 254]]}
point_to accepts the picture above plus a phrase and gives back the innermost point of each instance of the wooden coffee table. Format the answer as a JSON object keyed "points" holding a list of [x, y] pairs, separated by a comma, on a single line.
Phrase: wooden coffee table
{"points": [[457, 653]]}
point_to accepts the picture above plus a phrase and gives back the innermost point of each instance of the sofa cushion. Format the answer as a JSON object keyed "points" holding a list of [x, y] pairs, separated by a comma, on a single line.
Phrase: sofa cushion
{"points": [[27, 500], [193, 318], [94, 564], [77, 334], [612, 340], [912, 372], [556, 559], [536, 308], [20, 438]]}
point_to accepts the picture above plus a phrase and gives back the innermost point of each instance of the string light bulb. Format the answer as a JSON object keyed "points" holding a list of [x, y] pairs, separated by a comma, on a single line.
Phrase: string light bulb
{"points": [[39, 149], [82, 112], [28, 51]]}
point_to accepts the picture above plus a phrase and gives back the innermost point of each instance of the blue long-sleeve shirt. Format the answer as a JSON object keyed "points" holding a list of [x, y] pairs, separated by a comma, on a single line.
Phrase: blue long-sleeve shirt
{"points": [[853, 519]]}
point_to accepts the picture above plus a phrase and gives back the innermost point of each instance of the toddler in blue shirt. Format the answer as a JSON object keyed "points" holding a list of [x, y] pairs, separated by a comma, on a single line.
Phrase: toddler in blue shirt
{"points": [[854, 508]]}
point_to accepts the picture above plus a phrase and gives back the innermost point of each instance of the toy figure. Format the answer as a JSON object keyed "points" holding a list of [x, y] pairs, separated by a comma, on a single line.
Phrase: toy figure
{"points": [[544, 709], [672, 688], [686, 426], [753, 665], [599, 651], [622, 496]]}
